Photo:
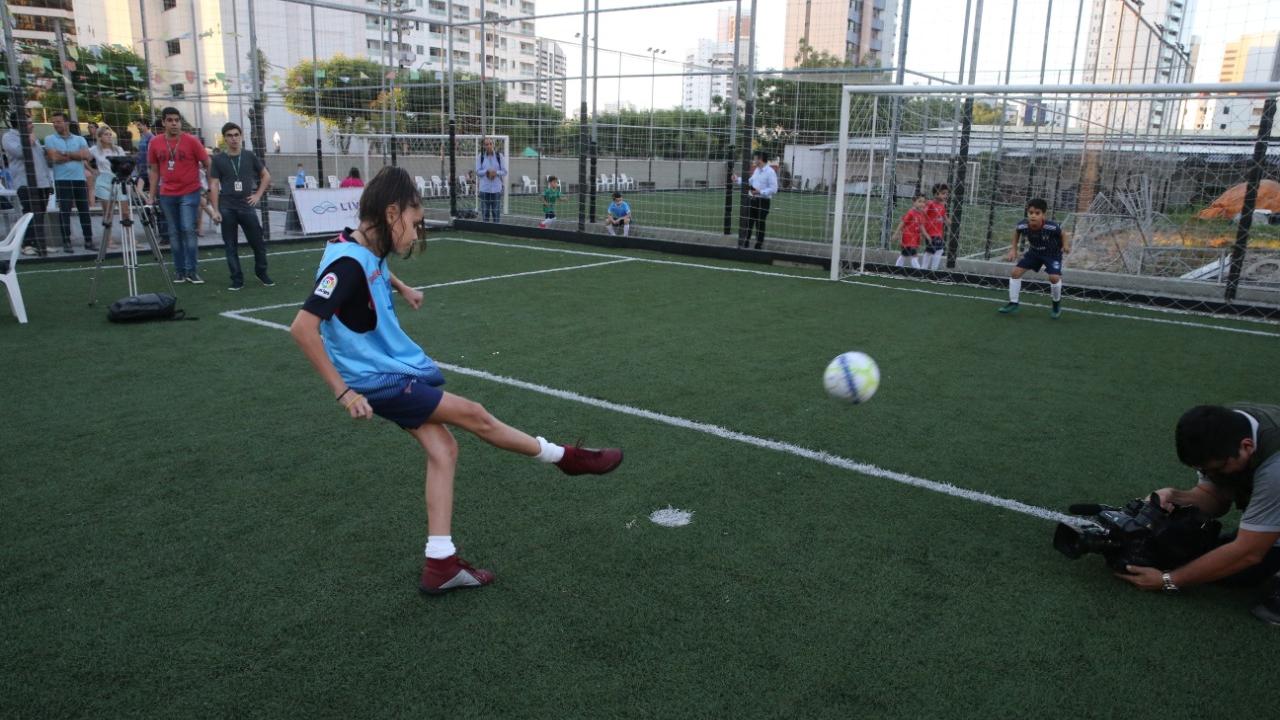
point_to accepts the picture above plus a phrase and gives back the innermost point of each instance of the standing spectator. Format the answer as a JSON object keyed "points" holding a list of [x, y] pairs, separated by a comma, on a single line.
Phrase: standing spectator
{"points": [[35, 198], [764, 185], [352, 179], [173, 162], [102, 150], [144, 140], [67, 154], [492, 172], [300, 178], [237, 183], [91, 137]]}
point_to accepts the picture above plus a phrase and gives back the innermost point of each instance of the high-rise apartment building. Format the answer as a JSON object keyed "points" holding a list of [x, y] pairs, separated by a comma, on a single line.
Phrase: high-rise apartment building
{"points": [[1137, 43], [702, 83], [1251, 58], [861, 31]]}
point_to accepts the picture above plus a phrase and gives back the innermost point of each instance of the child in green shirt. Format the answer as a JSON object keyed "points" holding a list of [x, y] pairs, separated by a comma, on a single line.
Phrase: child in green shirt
{"points": [[549, 198]]}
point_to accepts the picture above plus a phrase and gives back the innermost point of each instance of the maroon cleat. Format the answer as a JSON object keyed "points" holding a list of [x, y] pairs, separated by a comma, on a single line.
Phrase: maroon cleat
{"points": [[451, 573], [578, 460]]}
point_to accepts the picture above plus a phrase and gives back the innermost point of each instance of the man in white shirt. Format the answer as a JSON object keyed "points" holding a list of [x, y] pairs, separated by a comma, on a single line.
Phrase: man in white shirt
{"points": [[33, 198], [764, 185]]}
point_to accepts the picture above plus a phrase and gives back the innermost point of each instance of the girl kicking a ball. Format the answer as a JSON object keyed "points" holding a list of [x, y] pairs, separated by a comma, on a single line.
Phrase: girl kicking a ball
{"points": [[349, 331]]}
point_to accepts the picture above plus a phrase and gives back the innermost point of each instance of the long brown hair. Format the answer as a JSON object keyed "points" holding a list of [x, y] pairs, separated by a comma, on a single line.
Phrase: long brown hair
{"points": [[391, 186]]}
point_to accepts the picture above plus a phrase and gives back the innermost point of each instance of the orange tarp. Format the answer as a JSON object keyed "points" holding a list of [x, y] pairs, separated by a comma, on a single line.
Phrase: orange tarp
{"points": [[1229, 203]]}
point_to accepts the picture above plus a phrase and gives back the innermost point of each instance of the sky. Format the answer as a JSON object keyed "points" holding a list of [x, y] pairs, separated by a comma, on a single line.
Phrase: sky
{"points": [[934, 44]]}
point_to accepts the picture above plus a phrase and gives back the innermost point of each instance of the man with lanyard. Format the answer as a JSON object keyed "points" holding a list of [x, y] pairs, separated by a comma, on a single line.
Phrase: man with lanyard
{"points": [[173, 161], [67, 154], [33, 198], [237, 183], [1236, 451], [491, 174]]}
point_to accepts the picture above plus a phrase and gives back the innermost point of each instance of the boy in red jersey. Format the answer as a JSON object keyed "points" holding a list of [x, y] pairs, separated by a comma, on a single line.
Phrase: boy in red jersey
{"points": [[935, 214], [911, 229]]}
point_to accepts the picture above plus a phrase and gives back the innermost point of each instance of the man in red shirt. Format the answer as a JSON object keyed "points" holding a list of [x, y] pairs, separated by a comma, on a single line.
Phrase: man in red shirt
{"points": [[173, 162]]}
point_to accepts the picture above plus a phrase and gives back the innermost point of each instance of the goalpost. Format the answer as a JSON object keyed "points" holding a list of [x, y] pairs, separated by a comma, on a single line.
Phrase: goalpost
{"points": [[425, 156], [1129, 170]]}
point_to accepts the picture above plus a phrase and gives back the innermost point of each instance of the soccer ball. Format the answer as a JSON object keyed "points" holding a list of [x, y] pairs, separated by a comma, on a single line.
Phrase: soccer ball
{"points": [[852, 376]]}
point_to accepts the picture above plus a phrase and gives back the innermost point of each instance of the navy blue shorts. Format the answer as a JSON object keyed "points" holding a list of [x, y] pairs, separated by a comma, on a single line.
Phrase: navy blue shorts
{"points": [[1033, 261], [936, 245], [549, 215], [909, 251], [405, 400]]}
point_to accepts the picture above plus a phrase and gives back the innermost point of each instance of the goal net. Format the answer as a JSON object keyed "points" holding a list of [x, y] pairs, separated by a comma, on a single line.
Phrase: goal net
{"points": [[1170, 194], [426, 157]]}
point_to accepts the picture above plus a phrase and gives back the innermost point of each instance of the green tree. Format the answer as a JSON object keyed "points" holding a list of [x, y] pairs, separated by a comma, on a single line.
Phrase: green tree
{"points": [[109, 81]]}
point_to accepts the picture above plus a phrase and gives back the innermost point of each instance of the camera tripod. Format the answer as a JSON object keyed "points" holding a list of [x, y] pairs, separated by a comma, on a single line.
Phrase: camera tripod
{"points": [[124, 195]]}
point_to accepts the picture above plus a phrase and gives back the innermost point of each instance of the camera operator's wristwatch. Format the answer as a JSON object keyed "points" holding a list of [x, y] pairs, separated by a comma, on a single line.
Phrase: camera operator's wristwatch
{"points": [[1167, 579]]}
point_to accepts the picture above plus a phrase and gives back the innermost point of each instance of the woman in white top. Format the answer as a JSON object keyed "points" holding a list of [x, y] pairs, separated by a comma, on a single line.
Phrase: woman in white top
{"points": [[103, 189]]}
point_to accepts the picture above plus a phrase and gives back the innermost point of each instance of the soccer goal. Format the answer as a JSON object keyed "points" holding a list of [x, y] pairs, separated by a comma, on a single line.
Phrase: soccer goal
{"points": [[426, 157], [1159, 196]]}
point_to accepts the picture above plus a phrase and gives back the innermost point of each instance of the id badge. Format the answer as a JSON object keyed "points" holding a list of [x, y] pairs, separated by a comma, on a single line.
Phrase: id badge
{"points": [[170, 164], [238, 186]]}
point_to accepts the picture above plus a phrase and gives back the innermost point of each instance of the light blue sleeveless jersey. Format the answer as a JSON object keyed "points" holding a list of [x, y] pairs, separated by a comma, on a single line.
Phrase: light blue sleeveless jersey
{"points": [[364, 359]]}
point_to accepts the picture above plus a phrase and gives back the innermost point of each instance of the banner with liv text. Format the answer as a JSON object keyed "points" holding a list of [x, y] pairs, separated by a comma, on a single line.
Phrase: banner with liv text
{"points": [[327, 210]]}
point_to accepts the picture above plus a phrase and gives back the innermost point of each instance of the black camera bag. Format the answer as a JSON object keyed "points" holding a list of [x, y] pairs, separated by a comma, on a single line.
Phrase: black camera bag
{"points": [[141, 308]]}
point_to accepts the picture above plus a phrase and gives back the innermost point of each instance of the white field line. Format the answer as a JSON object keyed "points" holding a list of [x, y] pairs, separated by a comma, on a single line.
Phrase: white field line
{"points": [[714, 430], [239, 314], [752, 440], [1070, 310]]}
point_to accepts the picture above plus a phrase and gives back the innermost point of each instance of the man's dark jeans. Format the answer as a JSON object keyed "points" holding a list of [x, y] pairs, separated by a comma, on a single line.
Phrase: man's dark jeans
{"points": [[233, 219], [34, 200], [73, 193]]}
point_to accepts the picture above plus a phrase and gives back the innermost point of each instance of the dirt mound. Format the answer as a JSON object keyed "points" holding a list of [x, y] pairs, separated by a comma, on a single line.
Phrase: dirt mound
{"points": [[1230, 203]]}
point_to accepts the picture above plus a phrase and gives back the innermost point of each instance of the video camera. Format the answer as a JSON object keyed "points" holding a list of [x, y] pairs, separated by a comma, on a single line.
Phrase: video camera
{"points": [[1141, 533], [122, 166]]}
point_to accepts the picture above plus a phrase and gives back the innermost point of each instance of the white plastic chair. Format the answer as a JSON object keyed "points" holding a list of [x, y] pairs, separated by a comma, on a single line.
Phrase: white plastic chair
{"points": [[10, 251], [312, 183], [439, 186], [528, 186], [604, 182], [334, 183], [424, 189], [463, 185], [626, 183]]}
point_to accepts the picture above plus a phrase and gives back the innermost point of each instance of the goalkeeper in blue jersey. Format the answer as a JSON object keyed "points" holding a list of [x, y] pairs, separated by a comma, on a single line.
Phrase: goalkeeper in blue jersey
{"points": [[349, 331], [1046, 244]]}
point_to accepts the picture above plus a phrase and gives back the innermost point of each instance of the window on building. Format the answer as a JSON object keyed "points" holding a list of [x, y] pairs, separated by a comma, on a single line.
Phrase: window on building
{"points": [[1226, 110], [176, 90], [437, 7], [372, 44], [173, 47], [419, 48], [526, 8], [170, 4], [526, 88], [435, 53]]}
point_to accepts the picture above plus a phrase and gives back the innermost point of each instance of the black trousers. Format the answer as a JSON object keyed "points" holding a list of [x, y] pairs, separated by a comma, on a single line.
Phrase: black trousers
{"points": [[233, 221], [757, 212], [34, 200], [74, 193]]}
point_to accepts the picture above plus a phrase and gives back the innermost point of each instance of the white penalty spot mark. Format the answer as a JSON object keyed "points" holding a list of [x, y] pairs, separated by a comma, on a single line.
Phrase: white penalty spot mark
{"points": [[671, 517]]}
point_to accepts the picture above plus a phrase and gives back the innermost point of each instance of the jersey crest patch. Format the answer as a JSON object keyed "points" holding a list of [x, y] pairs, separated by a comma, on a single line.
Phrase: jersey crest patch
{"points": [[326, 286]]}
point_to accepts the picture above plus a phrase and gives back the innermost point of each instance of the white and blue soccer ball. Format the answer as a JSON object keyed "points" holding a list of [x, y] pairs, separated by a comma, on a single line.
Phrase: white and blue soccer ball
{"points": [[853, 377]]}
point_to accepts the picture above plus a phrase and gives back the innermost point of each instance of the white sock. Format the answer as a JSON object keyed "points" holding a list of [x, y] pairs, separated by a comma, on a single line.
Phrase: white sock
{"points": [[1055, 291], [937, 260], [440, 547], [547, 222], [1015, 289], [626, 230], [549, 452], [915, 262], [901, 261], [610, 229]]}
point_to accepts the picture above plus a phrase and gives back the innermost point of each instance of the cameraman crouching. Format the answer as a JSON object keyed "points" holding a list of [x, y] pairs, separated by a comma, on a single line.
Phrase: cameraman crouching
{"points": [[1236, 451]]}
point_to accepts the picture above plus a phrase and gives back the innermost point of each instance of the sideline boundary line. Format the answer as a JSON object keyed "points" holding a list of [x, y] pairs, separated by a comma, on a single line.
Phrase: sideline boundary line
{"points": [[922, 291]]}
